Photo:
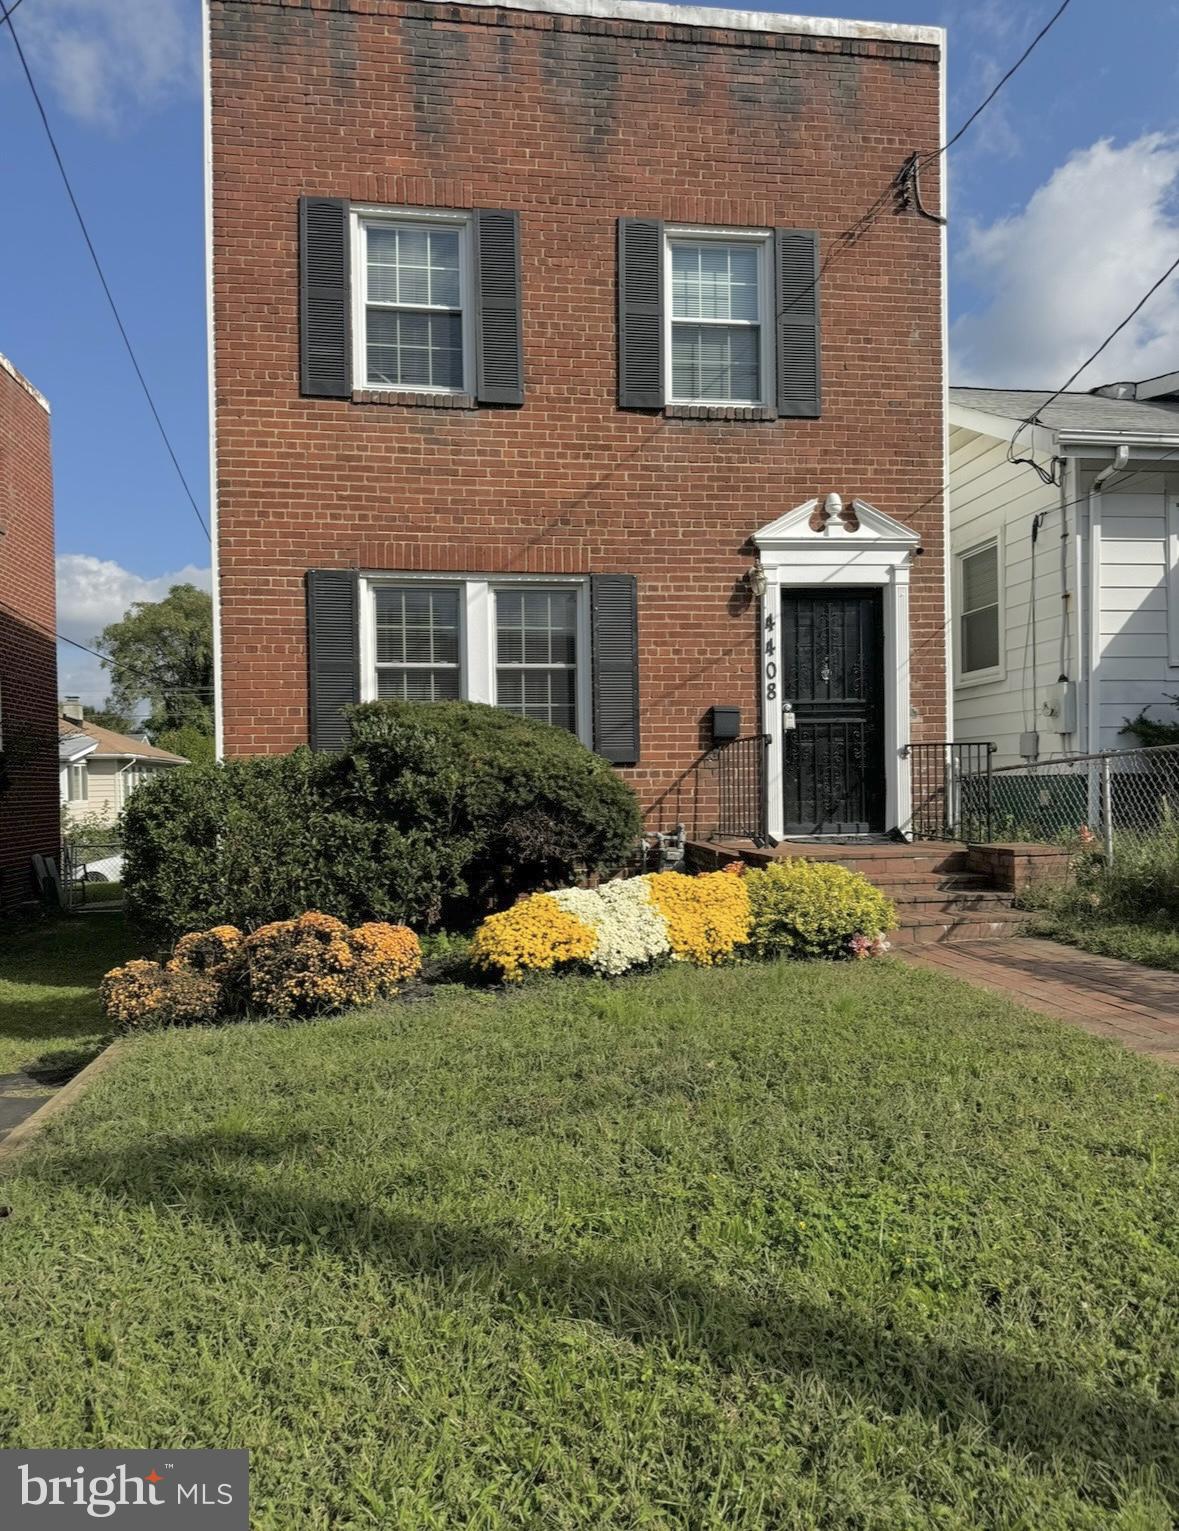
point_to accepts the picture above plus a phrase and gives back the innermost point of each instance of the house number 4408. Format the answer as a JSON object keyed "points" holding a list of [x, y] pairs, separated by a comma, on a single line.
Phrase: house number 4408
{"points": [[770, 650]]}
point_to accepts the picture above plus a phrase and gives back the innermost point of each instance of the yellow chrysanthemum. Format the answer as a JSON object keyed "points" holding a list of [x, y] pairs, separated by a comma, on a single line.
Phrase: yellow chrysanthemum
{"points": [[533, 937]]}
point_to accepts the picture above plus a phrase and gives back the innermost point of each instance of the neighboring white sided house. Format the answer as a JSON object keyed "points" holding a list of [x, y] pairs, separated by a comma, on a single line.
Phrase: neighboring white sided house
{"points": [[99, 769], [1065, 580]]}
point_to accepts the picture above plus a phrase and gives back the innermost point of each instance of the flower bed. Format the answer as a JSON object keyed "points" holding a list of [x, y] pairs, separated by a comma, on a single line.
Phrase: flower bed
{"points": [[794, 908], [312, 965]]}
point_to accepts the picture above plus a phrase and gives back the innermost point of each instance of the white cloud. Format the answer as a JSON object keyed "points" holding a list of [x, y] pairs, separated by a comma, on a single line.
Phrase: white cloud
{"points": [[91, 592], [1055, 278], [104, 57]]}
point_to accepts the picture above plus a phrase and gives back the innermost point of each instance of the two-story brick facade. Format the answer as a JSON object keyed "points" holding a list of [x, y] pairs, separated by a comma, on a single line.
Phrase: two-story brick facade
{"points": [[545, 336], [29, 816]]}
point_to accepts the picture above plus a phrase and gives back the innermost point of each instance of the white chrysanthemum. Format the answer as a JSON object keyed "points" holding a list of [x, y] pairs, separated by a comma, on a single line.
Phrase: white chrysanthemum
{"points": [[630, 929]]}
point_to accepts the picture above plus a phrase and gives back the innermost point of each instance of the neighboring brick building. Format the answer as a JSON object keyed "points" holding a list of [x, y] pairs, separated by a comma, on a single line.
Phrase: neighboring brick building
{"points": [[531, 454], [29, 812]]}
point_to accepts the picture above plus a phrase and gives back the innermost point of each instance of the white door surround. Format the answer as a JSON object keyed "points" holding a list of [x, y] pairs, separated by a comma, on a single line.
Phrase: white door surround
{"points": [[831, 544]]}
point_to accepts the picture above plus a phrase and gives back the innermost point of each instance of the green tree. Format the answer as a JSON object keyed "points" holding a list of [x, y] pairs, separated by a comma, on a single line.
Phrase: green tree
{"points": [[109, 717], [161, 652], [193, 743]]}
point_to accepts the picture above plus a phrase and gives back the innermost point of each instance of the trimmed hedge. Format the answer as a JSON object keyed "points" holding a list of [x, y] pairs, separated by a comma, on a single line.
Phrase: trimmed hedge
{"points": [[433, 812]]}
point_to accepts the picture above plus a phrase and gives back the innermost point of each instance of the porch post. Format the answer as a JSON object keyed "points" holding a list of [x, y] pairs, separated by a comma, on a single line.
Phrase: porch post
{"points": [[897, 726]]}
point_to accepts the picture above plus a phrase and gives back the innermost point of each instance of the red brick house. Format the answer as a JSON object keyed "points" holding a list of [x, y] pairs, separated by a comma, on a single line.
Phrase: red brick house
{"points": [[558, 366], [29, 819]]}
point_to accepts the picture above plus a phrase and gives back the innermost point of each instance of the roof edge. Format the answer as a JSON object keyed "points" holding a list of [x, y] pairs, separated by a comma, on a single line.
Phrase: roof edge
{"points": [[19, 378], [725, 20]]}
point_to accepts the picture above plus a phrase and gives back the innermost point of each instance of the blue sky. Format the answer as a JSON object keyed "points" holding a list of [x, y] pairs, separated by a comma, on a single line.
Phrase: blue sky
{"points": [[1065, 206]]}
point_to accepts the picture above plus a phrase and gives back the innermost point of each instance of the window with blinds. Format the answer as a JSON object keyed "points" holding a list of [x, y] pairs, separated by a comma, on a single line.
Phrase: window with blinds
{"points": [[717, 315], [979, 620], [413, 300], [536, 654], [417, 643]]}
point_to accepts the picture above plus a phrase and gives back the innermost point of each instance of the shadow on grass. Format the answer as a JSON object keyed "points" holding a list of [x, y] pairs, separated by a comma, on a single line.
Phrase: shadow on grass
{"points": [[1034, 1409]]}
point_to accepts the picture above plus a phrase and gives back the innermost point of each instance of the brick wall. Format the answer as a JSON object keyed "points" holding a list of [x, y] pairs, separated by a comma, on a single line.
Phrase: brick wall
{"points": [[573, 121], [29, 809]]}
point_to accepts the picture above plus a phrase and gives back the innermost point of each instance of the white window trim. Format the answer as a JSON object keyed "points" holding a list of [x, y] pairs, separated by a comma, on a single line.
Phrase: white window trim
{"points": [[78, 771], [362, 217], [477, 633], [763, 241], [964, 677]]}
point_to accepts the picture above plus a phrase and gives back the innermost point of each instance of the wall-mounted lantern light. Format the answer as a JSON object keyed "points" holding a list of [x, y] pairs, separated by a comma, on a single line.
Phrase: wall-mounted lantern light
{"points": [[757, 582]]}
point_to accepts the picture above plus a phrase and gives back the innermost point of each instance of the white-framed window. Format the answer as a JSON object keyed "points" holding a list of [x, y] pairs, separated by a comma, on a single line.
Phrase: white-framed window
{"points": [[78, 782], [411, 285], [536, 652], [131, 778], [980, 612], [417, 642], [718, 329], [520, 642]]}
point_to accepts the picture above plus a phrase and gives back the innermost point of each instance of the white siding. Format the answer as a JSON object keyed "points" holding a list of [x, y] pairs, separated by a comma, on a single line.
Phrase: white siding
{"points": [[1133, 669], [989, 498], [101, 799]]}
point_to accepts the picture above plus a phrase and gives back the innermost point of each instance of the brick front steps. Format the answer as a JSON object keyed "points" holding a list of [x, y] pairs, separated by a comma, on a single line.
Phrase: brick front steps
{"points": [[942, 891]]}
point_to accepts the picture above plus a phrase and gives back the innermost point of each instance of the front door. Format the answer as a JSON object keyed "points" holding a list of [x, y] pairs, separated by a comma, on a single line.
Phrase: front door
{"points": [[832, 648]]}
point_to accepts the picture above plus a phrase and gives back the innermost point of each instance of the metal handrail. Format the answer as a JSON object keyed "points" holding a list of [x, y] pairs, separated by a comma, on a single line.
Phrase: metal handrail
{"points": [[741, 787], [942, 807]]}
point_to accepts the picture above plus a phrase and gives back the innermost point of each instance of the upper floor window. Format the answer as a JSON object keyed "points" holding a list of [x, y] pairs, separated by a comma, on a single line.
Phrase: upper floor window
{"points": [[718, 322], [412, 309], [720, 347], [980, 619]]}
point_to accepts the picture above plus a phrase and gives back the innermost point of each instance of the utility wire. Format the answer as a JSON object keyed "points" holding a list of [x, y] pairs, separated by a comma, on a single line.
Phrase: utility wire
{"points": [[982, 106], [115, 666], [7, 17], [906, 185], [1034, 418]]}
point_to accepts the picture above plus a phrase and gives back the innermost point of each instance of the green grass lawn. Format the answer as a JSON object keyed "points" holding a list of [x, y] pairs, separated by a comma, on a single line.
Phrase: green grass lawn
{"points": [[1153, 943], [90, 893], [49, 972], [793, 1246]]}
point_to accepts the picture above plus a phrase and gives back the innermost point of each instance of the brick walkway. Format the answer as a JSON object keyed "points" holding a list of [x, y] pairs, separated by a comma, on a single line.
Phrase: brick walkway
{"points": [[1134, 1005]]}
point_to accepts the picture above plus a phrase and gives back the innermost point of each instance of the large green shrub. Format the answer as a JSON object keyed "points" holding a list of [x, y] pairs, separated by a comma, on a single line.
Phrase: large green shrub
{"points": [[814, 909], [431, 812]]}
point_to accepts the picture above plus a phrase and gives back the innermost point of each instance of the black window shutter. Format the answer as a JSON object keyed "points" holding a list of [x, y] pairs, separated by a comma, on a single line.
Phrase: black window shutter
{"points": [[614, 622], [325, 298], [499, 332], [797, 265], [640, 313], [333, 653]]}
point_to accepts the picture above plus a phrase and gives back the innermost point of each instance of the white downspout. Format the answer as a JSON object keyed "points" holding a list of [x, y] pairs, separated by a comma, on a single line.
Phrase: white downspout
{"points": [[1120, 458]]}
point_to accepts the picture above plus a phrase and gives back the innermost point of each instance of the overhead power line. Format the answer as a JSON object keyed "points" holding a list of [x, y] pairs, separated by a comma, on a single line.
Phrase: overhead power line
{"points": [[1020, 61], [1034, 418], [906, 184], [151, 403], [112, 664]]}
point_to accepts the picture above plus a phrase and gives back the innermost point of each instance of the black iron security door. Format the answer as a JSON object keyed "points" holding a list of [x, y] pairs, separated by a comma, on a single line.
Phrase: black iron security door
{"points": [[832, 649]]}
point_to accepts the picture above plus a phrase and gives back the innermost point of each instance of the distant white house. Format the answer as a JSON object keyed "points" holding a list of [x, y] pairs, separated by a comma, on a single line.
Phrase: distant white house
{"points": [[99, 769], [1065, 582]]}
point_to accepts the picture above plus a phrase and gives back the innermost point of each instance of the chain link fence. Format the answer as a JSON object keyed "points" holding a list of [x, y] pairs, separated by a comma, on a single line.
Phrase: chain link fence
{"points": [[92, 873], [1114, 800]]}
